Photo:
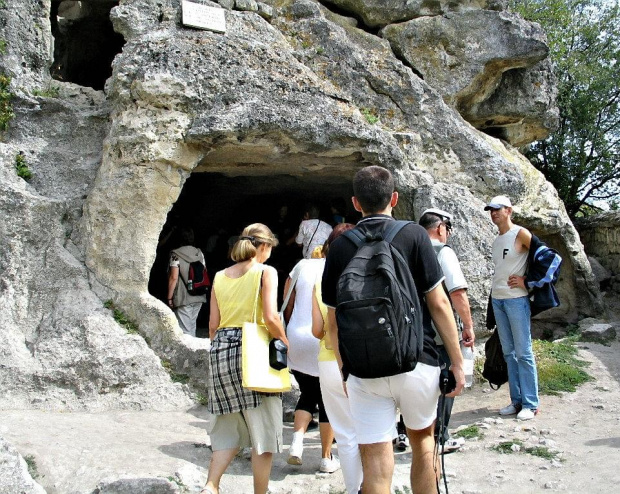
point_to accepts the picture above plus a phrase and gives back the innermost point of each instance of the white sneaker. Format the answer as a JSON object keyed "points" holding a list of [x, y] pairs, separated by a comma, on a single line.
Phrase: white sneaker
{"points": [[527, 414], [295, 452], [330, 465], [452, 445], [511, 409]]}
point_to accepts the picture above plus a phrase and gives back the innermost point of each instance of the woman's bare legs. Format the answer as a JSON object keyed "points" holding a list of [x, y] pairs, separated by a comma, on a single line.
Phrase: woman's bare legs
{"points": [[261, 469], [327, 439], [219, 463]]}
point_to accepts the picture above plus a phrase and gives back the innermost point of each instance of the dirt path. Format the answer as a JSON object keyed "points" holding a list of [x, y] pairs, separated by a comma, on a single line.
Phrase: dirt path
{"points": [[74, 451]]}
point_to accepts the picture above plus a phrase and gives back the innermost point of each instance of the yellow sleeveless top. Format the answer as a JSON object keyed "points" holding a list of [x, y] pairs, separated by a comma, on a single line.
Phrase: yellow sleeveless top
{"points": [[325, 354], [236, 297]]}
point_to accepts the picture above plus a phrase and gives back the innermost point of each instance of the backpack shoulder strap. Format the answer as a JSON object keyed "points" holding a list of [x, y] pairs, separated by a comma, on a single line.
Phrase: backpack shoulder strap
{"points": [[355, 236], [392, 229]]}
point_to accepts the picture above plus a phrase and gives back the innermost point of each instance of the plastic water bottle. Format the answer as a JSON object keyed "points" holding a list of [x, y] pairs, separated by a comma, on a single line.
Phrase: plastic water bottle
{"points": [[468, 364]]}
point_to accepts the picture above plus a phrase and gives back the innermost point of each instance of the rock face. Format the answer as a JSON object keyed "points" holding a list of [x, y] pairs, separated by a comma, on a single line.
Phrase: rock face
{"points": [[472, 58], [14, 474], [290, 106]]}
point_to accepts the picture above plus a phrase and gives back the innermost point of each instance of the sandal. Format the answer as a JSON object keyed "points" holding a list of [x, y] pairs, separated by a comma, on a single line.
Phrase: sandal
{"points": [[206, 490]]}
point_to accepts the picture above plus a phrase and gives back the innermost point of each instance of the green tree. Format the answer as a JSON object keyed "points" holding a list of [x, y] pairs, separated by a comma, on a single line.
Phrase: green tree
{"points": [[581, 159]]}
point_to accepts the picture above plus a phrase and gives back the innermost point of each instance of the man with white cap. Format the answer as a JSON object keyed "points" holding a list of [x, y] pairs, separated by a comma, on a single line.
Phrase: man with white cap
{"points": [[438, 225], [511, 307]]}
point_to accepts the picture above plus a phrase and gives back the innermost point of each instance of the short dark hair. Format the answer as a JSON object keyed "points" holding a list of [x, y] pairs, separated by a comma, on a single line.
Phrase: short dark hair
{"points": [[432, 220], [187, 236], [312, 210], [373, 187]]}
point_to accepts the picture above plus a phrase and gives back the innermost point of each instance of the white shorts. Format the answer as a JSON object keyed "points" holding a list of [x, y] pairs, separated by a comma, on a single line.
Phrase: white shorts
{"points": [[374, 401]]}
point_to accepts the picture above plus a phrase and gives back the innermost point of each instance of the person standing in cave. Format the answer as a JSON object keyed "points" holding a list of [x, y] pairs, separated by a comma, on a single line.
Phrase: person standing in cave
{"points": [[312, 232], [185, 306]]}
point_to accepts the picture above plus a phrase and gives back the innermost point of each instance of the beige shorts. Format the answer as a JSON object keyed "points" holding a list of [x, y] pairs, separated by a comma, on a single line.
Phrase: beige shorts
{"points": [[259, 428], [374, 401]]}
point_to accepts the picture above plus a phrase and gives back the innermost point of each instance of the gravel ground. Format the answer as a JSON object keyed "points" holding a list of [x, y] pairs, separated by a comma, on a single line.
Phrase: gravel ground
{"points": [[74, 452]]}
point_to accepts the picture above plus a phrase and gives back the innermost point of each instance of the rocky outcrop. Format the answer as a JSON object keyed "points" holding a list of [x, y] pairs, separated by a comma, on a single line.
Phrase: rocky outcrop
{"points": [[304, 100], [482, 63], [14, 474], [378, 13]]}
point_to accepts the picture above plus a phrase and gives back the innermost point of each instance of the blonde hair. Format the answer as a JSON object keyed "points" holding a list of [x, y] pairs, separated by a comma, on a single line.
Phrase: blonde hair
{"points": [[317, 252], [250, 239]]}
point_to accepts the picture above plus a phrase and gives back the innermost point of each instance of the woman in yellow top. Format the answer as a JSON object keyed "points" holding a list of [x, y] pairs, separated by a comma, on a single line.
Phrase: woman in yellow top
{"points": [[334, 398], [240, 417]]}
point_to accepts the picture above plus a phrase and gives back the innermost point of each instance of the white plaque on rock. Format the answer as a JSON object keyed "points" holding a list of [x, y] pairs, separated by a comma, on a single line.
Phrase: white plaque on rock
{"points": [[203, 16]]}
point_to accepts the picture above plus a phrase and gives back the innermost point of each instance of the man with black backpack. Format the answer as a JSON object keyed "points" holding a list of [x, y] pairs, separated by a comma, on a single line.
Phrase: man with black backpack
{"points": [[374, 281], [188, 282]]}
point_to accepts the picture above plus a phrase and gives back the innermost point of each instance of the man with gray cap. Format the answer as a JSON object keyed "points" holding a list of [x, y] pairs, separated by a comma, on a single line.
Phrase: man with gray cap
{"points": [[438, 225], [511, 307]]}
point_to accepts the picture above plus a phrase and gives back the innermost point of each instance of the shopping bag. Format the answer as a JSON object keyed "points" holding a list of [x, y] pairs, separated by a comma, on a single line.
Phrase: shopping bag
{"points": [[256, 373]]}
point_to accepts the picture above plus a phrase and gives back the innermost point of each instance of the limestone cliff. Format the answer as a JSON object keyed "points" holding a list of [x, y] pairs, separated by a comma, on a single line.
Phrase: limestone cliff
{"points": [[293, 98]]}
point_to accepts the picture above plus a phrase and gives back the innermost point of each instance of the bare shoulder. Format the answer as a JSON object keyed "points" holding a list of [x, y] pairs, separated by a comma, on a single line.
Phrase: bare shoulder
{"points": [[524, 237]]}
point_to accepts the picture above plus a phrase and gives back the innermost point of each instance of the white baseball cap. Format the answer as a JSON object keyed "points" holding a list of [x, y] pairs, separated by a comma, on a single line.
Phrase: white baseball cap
{"points": [[438, 212], [498, 202]]}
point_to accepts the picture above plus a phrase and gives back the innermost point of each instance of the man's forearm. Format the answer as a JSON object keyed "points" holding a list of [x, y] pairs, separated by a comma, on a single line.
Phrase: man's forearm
{"points": [[461, 306]]}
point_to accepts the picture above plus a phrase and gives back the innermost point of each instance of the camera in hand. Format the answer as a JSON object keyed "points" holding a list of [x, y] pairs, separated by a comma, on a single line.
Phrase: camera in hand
{"points": [[447, 382]]}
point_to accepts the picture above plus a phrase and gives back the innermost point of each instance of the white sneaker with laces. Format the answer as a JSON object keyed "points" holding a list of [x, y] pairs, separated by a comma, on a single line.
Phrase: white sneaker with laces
{"points": [[330, 465], [452, 445], [295, 452], [526, 414], [511, 409]]}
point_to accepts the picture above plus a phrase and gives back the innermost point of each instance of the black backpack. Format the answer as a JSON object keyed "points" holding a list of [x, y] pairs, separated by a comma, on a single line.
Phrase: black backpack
{"points": [[198, 281], [495, 369], [378, 310]]}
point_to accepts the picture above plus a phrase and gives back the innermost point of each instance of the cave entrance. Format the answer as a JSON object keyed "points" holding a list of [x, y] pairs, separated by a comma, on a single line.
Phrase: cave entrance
{"points": [[217, 207], [85, 43]]}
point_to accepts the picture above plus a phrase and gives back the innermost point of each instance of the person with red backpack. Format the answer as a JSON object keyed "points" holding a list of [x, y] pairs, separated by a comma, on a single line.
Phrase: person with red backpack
{"points": [[188, 282]]}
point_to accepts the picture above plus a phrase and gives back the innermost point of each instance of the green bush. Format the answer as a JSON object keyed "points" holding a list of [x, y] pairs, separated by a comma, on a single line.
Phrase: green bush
{"points": [[22, 167], [370, 115], [121, 318], [6, 109]]}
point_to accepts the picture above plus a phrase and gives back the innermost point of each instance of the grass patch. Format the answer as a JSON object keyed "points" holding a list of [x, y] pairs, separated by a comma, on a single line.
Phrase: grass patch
{"points": [[559, 369], [370, 115], [202, 399], [471, 432], [176, 378], [505, 447], [49, 92], [21, 166], [542, 452], [2, 46], [6, 109], [121, 318], [32, 466]]}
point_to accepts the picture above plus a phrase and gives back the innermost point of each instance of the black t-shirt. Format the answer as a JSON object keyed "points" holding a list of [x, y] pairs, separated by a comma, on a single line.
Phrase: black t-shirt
{"points": [[414, 244]]}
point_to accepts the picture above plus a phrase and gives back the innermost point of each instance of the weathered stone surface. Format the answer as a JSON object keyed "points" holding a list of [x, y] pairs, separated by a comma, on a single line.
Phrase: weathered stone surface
{"points": [[463, 56], [137, 486], [601, 237], [522, 109], [297, 98], [598, 332], [600, 272], [377, 13], [14, 475]]}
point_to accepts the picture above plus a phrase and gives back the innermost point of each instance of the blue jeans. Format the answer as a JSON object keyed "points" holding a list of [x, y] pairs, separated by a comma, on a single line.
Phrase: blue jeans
{"points": [[512, 317]]}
